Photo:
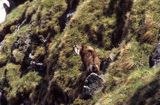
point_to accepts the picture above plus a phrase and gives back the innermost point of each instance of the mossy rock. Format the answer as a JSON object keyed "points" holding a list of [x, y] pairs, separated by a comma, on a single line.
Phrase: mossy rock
{"points": [[18, 55], [3, 58]]}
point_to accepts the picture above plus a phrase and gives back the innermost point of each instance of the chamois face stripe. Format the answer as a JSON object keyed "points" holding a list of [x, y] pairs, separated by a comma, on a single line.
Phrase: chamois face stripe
{"points": [[77, 49]]}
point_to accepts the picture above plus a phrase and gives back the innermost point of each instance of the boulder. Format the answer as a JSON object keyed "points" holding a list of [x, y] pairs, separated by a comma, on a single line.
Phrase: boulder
{"points": [[154, 58], [92, 84]]}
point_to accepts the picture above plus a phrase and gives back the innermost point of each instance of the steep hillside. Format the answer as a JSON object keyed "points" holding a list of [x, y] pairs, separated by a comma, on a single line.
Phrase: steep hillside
{"points": [[45, 31]]}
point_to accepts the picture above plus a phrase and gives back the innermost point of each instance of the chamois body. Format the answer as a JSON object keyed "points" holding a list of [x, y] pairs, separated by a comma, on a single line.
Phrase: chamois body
{"points": [[89, 58]]}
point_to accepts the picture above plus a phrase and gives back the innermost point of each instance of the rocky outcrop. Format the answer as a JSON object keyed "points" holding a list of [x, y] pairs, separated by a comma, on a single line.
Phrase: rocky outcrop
{"points": [[154, 59], [92, 84]]}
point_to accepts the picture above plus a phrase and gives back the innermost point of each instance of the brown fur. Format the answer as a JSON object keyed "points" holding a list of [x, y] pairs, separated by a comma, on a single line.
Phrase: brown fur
{"points": [[90, 59]]}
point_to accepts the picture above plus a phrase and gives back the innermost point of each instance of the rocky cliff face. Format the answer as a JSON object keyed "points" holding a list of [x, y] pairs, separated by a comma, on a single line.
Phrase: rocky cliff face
{"points": [[38, 65]]}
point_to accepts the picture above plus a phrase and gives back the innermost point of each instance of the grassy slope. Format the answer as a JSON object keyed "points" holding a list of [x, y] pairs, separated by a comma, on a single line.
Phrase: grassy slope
{"points": [[131, 71], [124, 76], [34, 8]]}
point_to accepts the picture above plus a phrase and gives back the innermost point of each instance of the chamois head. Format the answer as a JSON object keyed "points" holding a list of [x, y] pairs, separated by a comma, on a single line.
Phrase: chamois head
{"points": [[77, 48]]}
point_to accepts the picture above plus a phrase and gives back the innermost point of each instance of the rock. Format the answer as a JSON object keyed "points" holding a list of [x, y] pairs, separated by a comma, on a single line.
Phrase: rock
{"points": [[69, 16], [113, 56], [92, 84], [22, 43], [37, 66], [1, 46], [154, 58]]}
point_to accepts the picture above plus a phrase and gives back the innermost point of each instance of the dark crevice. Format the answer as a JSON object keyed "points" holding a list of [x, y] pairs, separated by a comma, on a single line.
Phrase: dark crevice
{"points": [[77, 86], [2, 64], [111, 8], [22, 98], [17, 2], [95, 37], [26, 61], [39, 92], [71, 7], [54, 95], [100, 36], [147, 95], [49, 93], [4, 83], [42, 93], [122, 22], [90, 34]]}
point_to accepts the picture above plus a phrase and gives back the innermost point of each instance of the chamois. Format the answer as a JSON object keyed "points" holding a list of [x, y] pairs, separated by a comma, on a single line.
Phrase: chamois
{"points": [[89, 58]]}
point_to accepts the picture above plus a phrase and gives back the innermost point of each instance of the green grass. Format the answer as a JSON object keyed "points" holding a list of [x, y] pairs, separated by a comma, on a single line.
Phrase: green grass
{"points": [[18, 55], [128, 73], [17, 84], [25, 84], [123, 91], [135, 54], [3, 58]]}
